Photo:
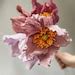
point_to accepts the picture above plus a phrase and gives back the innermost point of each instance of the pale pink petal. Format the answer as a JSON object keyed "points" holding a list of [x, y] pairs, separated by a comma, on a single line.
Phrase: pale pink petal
{"points": [[31, 63], [62, 38], [60, 31], [44, 21], [17, 42], [22, 56], [45, 59], [44, 55]]}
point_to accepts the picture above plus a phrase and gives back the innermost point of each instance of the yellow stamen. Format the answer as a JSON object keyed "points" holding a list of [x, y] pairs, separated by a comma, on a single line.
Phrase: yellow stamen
{"points": [[44, 38], [45, 14]]}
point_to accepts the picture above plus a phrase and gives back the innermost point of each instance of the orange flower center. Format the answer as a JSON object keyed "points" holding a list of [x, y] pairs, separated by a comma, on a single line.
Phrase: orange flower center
{"points": [[44, 38], [45, 14]]}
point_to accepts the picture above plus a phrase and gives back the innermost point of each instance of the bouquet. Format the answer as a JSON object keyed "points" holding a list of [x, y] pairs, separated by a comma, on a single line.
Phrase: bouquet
{"points": [[37, 37]]}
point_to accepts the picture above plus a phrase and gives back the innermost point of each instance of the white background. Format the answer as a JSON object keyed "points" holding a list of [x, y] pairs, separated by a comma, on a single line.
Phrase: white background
{"points": [[13, 66]]}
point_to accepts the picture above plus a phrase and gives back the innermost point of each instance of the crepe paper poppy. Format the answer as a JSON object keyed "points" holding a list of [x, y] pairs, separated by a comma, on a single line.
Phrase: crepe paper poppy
{"points": [[39, 47], [47, 12], [37, 36]]}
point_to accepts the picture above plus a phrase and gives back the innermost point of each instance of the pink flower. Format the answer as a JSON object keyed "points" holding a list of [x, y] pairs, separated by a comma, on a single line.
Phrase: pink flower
{"points": [[37, 36], [30, 49], [48, 13], [48, 9]]}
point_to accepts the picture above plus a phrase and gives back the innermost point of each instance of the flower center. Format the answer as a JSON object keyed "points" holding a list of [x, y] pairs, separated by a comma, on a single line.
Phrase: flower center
{"points": [[45, 14], [44, 38]]}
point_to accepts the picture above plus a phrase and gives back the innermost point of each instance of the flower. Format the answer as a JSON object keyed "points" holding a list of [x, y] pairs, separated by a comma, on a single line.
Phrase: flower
{"points": [[37, 36], [38, 47], [47, 12]]}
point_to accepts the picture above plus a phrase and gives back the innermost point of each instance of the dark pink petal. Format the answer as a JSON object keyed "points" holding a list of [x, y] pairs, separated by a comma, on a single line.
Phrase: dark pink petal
{"points": [[46, 8], [17, 23], [31, 26], [27, 25], [46, 21], [51, 8], [36, 7], [55, 18], [22, 11]]}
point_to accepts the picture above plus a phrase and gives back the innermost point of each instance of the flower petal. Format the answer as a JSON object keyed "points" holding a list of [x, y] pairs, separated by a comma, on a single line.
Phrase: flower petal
{"points": [[22, 56], [17, 42], [22, 11], [46, 21], [31, 63], [51, 8], [18, 23], [45, 59], [36, 7], [62, 38], [29, 26], [60, 31]]}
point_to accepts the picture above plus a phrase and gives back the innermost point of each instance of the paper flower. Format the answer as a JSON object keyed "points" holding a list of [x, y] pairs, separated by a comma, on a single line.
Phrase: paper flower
{"points": [[37, 36], [48, 13], [48, 10]]}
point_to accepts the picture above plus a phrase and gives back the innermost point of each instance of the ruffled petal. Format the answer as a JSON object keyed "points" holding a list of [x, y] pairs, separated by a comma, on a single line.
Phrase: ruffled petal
{"points": [[31, 46], [29, 26], [45, 59], [60, 31], [22, 11], [31, 63], [47, 21], [36, 7], [44, 21], [18, 23], [51, 8], [62, 38], [17, 42]]}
